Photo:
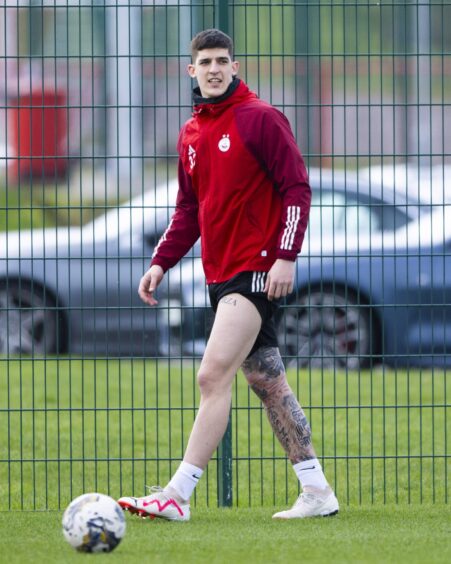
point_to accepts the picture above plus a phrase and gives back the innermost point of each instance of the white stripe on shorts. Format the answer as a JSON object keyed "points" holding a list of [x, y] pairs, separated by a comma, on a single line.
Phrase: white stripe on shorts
{"points": [[258, 281]]}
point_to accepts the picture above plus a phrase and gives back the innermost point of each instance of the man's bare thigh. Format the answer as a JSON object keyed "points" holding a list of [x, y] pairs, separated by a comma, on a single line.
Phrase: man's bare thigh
{"points": [[236, 326]]}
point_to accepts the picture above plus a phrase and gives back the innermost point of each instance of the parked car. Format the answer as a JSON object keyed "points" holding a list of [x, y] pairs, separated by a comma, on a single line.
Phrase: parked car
{"points": [[379, 296], [431, 184], [328, 320], [74, 290], [349, 306], [384, 298]]}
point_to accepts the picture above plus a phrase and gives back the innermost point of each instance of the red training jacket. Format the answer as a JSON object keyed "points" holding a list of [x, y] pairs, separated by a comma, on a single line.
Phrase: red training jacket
{"points": [[243, 187]]}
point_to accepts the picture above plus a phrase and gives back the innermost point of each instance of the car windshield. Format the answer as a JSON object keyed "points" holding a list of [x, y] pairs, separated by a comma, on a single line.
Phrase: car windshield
{"points": [[148, 212], [425, 184], [333, 212], [347, 202], [430, 229]]}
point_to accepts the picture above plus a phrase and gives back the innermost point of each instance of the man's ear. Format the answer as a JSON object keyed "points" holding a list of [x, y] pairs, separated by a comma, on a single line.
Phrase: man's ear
{"points": [[235, 67], [191, 70]]}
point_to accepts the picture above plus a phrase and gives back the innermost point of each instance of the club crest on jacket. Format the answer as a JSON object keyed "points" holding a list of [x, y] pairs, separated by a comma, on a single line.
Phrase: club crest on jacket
{"points": [[224, 143]]}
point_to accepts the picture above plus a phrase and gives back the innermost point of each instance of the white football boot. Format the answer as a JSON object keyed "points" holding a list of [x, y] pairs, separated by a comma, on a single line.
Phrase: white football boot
{"points": [[311, 503], [129, 504], [160, 503]]}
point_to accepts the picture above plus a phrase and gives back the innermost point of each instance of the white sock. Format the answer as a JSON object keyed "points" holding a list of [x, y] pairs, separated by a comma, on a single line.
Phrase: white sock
{"points": [[310, 473], [185, 479]]}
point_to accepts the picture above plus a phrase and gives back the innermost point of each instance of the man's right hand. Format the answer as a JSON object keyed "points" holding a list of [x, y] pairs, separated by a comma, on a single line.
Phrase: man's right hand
{"points": [[149, 283]]}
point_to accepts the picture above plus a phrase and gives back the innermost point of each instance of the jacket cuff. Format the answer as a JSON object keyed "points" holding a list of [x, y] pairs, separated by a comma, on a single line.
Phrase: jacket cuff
{"points": [[160, 262], [287, 255]]}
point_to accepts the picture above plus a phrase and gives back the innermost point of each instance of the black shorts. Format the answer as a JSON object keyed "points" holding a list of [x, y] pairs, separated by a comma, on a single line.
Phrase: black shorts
{"points": [[250, 285]]}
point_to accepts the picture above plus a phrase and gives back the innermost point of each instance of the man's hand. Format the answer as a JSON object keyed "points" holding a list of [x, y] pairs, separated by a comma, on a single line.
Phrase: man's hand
{"points": [[280, 279], [149, 283]]}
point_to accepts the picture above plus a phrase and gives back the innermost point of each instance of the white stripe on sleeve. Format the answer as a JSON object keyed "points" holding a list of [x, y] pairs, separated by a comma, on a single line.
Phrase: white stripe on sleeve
{"points": [[162, 239], [293, 217]]}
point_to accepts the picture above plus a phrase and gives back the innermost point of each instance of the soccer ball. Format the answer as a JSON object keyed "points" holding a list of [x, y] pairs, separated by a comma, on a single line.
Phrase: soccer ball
{"points": [[93, 522]]}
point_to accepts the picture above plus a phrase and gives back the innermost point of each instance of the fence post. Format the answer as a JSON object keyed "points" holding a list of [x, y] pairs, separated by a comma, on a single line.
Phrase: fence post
{"points": [[225, 448], [225, 468], [222, 15]]}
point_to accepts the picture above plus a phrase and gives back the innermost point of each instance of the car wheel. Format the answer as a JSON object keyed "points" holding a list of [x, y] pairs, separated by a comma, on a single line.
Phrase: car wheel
{"points": [[27, 320], [326, 329]]}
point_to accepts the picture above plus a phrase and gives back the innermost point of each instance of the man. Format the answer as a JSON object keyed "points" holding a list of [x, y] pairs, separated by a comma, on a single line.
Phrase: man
{"points": [[244, 188]]}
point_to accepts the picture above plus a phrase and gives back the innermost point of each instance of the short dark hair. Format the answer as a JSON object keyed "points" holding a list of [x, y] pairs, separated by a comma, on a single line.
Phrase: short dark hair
{"points": [[211, 39]]}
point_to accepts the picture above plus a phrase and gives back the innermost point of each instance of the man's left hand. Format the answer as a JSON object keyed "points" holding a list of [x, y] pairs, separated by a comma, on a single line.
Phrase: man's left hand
{"points": [[280, 279]]}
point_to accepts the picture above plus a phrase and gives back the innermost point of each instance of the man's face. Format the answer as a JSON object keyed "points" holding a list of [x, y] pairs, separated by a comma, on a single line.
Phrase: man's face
{"points": [[214, 70]]}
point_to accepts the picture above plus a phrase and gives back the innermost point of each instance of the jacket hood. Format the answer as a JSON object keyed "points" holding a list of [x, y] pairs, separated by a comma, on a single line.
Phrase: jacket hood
{"points": [[237, 91]]}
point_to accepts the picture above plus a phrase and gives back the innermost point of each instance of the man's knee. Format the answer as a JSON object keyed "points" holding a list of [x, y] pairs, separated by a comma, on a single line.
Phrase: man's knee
{"points": [[265, 373], [214, 379]]}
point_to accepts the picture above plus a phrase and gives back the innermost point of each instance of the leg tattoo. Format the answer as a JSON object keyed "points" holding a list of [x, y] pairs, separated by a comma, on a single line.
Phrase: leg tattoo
{"points": [[266, 360], [265, 374]]}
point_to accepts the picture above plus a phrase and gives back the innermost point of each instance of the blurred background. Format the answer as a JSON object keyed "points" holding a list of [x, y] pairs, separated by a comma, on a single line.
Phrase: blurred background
{"points": [[362, 83]]}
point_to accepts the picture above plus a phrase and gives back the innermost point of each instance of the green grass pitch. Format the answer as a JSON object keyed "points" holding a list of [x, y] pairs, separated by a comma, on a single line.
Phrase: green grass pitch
{"points": [[411, 534], [69, 426]]}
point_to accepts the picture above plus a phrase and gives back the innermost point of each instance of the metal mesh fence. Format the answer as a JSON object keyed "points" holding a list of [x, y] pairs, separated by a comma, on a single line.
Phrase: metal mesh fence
{"points": [[98, 391]]}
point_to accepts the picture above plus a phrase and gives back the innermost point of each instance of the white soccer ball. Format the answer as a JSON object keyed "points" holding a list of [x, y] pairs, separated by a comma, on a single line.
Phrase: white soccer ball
{"points": [[93, 522]]}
